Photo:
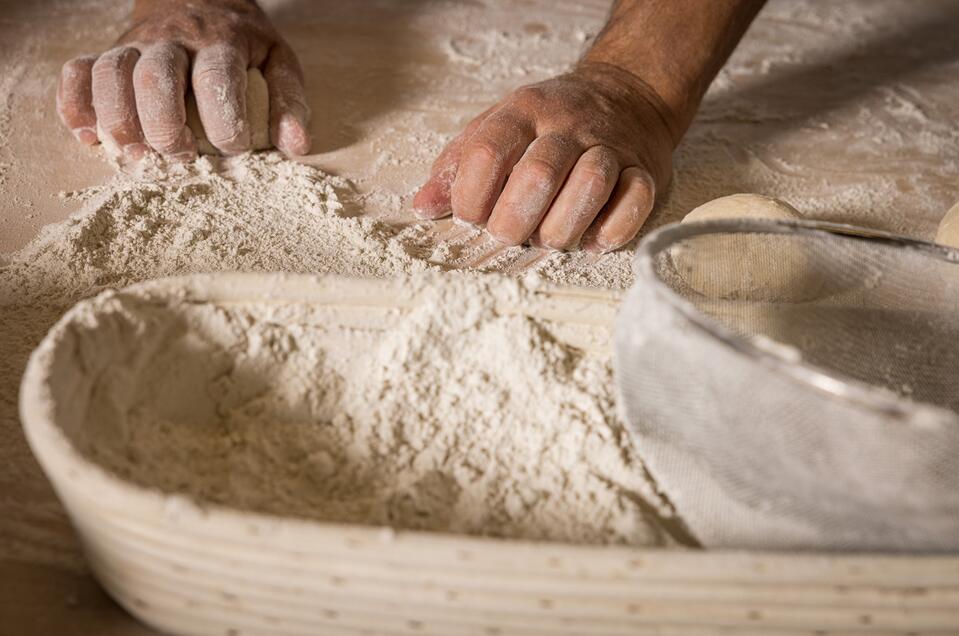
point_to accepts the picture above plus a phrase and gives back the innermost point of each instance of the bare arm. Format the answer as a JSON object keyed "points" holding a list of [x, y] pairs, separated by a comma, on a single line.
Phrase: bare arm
{"points": [[676, 48], [134, 94], [578, 159]]}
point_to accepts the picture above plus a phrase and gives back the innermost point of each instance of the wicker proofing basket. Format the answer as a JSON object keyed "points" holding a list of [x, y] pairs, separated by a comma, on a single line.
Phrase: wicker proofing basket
{"points": [[192, 570]]}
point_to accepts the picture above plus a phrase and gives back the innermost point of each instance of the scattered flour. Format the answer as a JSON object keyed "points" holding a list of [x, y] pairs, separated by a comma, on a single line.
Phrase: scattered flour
{"points": [[458, 417]]}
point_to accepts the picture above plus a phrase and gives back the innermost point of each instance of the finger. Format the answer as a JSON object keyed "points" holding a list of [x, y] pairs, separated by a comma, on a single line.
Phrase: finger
{"points": [[289, 112], [75, 99], [114, 101], [531, 188], [487, 159], [219, 83], [627, 210], [433, 200], [582, 197], [159, 81]]}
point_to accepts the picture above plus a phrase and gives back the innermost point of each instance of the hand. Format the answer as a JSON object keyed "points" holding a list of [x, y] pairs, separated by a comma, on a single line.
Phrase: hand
{"points": [[575, 160], [135, 93]]}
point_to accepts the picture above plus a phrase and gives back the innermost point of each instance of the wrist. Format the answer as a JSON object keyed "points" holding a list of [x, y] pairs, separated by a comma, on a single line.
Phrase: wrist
{"points": [[677, 96], [673, 116]]}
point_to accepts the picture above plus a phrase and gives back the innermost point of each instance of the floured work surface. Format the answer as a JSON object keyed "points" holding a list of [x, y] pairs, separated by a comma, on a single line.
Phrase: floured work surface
{"points": [[847, 110]]}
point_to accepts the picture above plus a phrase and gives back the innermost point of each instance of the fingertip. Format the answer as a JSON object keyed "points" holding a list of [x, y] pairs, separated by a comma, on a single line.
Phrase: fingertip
{"points": [[185, 149], [86, 136], [237, 144], [292, 136], [594, 246], [135, 151], [432, 201], [503, 237]]}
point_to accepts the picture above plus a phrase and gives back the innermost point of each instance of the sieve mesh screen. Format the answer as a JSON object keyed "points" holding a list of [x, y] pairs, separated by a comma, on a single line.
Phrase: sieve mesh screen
{"points": [[795, 386]]}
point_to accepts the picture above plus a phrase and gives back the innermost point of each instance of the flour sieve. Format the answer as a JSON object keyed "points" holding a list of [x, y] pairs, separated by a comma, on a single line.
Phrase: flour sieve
{"points": [[795, 385]]}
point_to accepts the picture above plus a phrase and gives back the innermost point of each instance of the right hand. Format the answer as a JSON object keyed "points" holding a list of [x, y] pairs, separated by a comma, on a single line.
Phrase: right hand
{"points": [[135, 93]]}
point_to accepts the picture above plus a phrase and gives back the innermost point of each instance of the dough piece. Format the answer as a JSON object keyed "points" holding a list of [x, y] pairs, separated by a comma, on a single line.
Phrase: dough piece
{"points": [[769, 268], [743, 206], [948, 233], [258, 109], [257, 115]]}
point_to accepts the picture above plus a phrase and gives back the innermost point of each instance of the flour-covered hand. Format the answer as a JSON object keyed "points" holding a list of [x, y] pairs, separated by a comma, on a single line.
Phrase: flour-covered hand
{"points": [[575, 160], [134, 95]]}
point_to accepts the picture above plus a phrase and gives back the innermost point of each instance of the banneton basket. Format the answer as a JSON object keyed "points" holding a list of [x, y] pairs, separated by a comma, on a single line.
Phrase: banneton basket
{"points": [[191, 569]]}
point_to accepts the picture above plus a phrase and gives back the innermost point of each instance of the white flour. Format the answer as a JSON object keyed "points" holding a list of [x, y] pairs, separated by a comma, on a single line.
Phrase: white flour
{"points": [[412, 435], [457, 418]]}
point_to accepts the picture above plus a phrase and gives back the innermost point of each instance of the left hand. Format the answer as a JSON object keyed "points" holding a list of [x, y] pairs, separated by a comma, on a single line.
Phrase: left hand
{"points": [[573, 161]]}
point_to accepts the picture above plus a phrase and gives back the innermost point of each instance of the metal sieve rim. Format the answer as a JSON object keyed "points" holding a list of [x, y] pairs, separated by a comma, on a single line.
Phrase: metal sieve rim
{"points": [[834, 384]]}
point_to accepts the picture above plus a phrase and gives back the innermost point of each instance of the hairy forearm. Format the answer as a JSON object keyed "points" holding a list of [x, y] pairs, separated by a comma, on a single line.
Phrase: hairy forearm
{"points": [[676, 47], [146, 8]]}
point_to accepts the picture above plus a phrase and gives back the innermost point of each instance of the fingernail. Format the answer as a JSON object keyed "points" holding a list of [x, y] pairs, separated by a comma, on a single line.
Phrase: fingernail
{"points": [[293, 135], [431, 212], [500, 238], [183, 157], [86, 136], [135, 151], [597, 247]]}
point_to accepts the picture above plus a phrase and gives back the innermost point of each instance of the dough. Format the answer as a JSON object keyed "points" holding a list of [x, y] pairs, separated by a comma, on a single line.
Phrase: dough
{"points": [[743, 206], [257, 115], [948, 233], [769, 268]]}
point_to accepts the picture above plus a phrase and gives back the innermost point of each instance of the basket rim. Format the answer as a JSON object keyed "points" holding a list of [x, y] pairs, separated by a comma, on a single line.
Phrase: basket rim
{"points": [[834, 384]]}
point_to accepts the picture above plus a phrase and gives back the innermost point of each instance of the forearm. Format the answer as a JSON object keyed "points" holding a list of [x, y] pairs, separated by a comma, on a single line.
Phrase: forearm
{"points": [[146, 8], [676, 47]]}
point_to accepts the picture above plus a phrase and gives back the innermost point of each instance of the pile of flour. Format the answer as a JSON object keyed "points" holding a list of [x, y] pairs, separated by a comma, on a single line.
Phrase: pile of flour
{"points": [[453, 416], [257, 212]]}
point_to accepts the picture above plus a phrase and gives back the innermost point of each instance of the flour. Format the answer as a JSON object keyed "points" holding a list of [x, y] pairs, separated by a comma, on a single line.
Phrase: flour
{"points": [[458, 419], [847, 110], [456, 416], [251, 213]]}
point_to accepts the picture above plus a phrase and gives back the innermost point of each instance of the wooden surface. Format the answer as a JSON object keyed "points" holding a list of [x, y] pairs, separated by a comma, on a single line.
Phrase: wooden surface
{"points": [[42, 600], [803, 109]]}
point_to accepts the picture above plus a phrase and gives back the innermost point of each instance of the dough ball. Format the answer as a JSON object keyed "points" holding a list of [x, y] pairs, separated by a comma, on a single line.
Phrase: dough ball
{"points": [[257, 115], [743, 206], [948, 233], [258, 109], [759, 267]]}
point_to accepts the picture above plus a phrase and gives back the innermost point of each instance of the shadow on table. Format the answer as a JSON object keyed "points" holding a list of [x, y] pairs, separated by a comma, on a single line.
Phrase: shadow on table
{"points": [[353, 55], [769, 114]]}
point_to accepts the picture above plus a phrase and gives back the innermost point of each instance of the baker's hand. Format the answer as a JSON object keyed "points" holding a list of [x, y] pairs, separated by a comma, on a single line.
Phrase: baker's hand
{"points": [[576, 160], [136, 90]]}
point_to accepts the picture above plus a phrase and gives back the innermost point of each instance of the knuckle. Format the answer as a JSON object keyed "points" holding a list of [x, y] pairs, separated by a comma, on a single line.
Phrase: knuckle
{"points": [[540, 171], [487, 150], [596, 177], [75, 69], [115, 61], [160, 62], [529, 96], [643, 188]]}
